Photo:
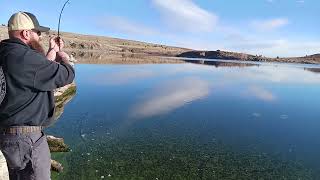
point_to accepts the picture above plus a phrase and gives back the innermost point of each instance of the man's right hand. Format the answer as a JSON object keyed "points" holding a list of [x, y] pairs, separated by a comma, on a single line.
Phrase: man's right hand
{"points": [[63, 57]]}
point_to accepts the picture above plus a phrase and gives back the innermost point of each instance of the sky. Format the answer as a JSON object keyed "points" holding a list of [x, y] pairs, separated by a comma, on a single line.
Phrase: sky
{"points": [[263, 27]]}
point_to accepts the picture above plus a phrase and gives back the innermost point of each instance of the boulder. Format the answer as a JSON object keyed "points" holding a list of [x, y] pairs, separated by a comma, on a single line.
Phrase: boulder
{"points": [[57, 144], [4, 174]]}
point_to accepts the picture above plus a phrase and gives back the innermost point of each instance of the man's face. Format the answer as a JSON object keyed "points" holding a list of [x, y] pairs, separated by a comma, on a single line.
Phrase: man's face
{"points": [[34, 41], [36, 35]]}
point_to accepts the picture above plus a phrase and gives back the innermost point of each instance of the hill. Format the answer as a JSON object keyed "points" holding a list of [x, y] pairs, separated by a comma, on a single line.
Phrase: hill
{"points": [[99, 49], [106, 50]]}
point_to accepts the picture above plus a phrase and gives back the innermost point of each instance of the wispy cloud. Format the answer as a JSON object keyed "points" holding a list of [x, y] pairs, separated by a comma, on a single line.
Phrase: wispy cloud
{"points": [[255, 45], [123, 25], [170, 96], [189, 23], [298, 1], [185, 15], [276, 47], [270, 24]]}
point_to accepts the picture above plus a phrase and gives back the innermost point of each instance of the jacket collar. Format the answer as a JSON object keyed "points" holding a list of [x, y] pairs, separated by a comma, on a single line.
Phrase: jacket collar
{"points": [[15, 40]]}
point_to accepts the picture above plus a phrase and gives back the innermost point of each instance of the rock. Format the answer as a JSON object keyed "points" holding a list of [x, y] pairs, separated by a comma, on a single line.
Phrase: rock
{"points": [[56, 166], [57, 144], [72, 44], [72, 60], [4, 174], [63, 96]]}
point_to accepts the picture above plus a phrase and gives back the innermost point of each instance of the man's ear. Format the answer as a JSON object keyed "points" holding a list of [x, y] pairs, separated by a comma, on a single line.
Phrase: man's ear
{"points": [[25, 35]]}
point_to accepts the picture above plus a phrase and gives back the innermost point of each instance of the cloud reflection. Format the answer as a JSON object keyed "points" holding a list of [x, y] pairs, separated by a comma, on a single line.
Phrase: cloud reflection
{"points": [[273, 74], [123, 77], [261, 93], [170, 96]]}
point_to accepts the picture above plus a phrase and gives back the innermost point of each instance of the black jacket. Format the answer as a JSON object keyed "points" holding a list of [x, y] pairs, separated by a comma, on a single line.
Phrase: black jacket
{"points": [[27, 81]]}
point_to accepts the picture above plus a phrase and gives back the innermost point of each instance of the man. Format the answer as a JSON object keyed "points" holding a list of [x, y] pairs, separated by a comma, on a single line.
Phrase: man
{"points": [[27, 78]]}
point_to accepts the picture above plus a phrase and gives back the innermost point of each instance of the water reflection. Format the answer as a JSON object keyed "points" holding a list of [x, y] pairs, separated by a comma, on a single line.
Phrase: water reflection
{"points": [[220, 63], [275, 72], [260, 93], [171, 95], [123, 77], [192, 121], [315, 70]]}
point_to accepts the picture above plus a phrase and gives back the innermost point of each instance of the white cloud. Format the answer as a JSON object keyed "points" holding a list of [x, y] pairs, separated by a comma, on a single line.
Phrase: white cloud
{"points": [[278, 47], [255, 45], [170, 96], [298, 1], [270, 24], [293, 48], [185, 15], [124, 25]]}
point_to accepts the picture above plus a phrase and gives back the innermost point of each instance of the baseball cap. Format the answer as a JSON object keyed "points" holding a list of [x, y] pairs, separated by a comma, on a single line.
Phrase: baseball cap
{"points": [[25, 21]]}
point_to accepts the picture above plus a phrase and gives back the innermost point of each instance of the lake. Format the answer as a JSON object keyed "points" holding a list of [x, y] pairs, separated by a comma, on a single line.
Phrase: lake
{"points": [[215, 120]]}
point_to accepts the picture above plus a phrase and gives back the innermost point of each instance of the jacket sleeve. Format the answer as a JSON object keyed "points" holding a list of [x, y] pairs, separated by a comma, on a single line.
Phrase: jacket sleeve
{"points": [[49, 75]]}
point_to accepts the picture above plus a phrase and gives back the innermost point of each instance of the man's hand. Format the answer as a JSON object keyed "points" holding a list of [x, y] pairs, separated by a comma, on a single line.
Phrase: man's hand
{"points": [[54, 48], [62, 56], [55, 42]]}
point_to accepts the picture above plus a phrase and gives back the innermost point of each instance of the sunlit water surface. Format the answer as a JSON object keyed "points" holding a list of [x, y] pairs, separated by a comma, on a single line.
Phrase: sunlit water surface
{"points": [[190, 121]]}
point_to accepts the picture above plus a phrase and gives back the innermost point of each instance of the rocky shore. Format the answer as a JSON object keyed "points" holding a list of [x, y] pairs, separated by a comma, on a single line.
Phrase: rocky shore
{"points": [[225, 55]]}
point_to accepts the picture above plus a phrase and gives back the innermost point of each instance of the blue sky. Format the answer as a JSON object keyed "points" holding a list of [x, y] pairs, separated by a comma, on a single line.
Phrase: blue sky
{"points": [[267, 27]]}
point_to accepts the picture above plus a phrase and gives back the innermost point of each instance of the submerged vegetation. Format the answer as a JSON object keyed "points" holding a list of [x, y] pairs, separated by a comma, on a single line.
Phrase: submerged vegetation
{"points": [[63, 99], [154, 157], [66, 95], [222, 137]]}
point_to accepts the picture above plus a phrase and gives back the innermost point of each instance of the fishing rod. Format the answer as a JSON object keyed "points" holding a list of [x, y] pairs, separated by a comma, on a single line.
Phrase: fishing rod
{"points": [[64, 5]]}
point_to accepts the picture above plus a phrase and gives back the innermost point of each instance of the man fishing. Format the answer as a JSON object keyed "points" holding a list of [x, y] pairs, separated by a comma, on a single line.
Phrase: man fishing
{"points": [[28, 77]]}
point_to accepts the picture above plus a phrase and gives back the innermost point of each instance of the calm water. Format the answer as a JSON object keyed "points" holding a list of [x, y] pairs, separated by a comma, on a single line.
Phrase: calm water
{"points": [[189, 121]]}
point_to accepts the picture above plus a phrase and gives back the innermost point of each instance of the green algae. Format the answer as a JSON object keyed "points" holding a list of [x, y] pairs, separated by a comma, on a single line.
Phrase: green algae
{"points": [[70, 92], [169, 158], [62, 100]]}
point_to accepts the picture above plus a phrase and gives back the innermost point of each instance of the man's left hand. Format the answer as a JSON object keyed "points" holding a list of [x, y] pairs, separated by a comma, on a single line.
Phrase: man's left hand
{"points": [[55, 42]]}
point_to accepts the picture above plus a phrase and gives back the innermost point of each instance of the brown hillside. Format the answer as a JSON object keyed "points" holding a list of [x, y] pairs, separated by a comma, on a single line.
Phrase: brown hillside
{"points": [[99, 49]]}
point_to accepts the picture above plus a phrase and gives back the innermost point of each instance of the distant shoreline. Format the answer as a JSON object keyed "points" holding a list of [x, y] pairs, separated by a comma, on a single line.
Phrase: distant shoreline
{"points": [[225, 55], [102, 50]]}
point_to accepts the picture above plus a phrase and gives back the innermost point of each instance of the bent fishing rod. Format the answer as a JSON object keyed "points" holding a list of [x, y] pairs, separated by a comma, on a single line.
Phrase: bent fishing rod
{"points": [[64, 5]]}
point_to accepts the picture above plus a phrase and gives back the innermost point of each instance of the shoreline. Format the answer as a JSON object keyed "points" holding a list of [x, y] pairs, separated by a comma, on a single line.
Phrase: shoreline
{"points": [[105, 50], [235, 56]]}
